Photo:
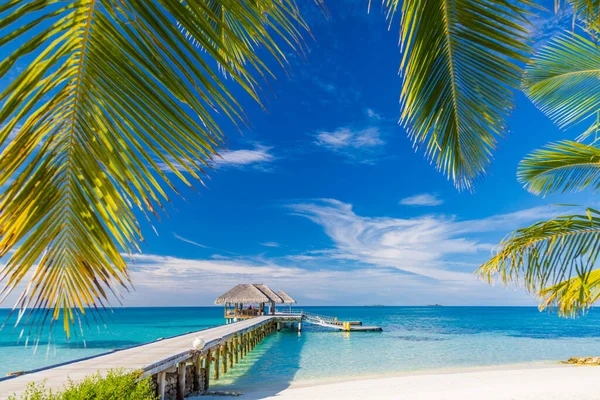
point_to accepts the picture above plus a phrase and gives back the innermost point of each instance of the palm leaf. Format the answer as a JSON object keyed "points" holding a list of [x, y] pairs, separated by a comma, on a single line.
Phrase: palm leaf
{"points": [[573, 295], [562, 77], [459, 66], [552, 258], [110, 89], [563, 166]]}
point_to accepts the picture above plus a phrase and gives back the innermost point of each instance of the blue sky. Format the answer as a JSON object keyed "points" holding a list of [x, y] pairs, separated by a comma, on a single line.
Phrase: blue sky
{"points": [[324, 196]]}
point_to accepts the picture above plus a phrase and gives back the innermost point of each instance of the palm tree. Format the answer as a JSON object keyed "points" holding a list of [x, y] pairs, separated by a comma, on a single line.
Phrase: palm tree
{"points": [[557, 258], [114, 93]]}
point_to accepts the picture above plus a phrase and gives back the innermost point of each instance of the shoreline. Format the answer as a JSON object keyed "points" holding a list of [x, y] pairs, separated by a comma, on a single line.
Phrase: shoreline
{"points": [[546, 380]]}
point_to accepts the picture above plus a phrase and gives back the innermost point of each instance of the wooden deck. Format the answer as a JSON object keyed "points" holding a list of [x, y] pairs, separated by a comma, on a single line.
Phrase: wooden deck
{"points": [[175, 356], [152, 358]]}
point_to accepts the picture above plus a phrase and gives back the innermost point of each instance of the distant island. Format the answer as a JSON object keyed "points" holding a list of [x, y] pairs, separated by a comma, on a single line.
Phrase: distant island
{"points": [[374, 305], [435, 305]]}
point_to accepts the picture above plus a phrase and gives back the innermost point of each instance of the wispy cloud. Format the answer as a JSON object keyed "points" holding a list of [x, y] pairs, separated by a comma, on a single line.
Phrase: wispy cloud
{"points": [[201, 245], [270, 244], [423, 199], [258, 158], [190, 241], [200, 282], [344, 138], [424, 245], [241, 158], [325, 86], [372, 114], [354, 144]]}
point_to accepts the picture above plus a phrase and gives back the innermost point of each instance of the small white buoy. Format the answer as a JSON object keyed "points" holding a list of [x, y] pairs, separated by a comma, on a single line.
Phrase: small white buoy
{"points": [[198, 343]]}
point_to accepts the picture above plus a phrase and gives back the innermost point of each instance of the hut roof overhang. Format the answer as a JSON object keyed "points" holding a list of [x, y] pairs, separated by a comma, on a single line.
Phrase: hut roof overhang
{"points": [[287, 299], [246, 293], [269, 293]]}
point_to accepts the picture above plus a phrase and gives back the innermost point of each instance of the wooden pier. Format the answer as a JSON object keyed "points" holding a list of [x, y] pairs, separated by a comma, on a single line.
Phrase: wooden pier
{"points": [[176, 369]]}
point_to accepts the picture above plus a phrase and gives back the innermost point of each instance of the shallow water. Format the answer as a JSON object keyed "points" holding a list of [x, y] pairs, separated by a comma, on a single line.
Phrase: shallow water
{"points": [[414, 338]]}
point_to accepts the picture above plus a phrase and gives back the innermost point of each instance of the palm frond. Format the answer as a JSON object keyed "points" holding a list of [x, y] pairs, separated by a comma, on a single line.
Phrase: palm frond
{"points": [[588, 11], [563, 166], [460, 63], [574, 295], [110, 89], [546, 255], [561, 79]]}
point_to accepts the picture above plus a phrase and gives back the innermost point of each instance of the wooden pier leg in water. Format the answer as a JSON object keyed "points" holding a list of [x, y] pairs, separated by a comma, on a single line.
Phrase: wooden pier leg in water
{"points": [[198, 375], [207, 362], [300, 326], [216, 366], [224, 354], [181, 380], [236, 342], [162, 381], [230, 353]]}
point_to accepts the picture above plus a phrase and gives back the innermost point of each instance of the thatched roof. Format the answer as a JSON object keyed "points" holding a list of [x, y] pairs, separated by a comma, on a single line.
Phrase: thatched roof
{"points": [[270, 294], [246, 293], [243, 293], [287, 299]]}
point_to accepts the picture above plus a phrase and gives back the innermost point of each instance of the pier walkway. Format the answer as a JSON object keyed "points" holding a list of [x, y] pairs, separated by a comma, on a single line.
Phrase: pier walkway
{"points": [[177, 369], [159, 358]]}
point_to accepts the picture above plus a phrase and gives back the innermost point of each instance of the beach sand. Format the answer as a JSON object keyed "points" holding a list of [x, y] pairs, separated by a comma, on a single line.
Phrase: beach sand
{"points": [[529, 382]]}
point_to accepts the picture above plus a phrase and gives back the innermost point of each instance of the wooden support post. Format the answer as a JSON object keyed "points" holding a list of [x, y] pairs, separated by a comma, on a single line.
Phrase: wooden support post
{"points": [[198, 377], [230, 354], [300, 326], [162, 381], [181, 367], [207, 362], [236, 342], [216, 366], [224, 354]]}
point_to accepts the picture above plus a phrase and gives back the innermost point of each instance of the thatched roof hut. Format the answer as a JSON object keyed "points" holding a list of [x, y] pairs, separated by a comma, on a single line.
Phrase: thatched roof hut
{"points": [[269, 293], [287, 299], [246, 293], [243, 293]]}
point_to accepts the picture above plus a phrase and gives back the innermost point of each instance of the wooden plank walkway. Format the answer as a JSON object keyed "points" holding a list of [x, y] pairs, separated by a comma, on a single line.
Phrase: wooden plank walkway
{"points": [[148, 357]]}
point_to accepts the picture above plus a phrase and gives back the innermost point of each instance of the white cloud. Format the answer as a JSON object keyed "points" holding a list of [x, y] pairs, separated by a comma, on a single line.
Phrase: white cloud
{"points": [[257, 158], [356, 145], [344, 138], [270, 244], [372, 114], [410, 261], [189, 241], [423, 199], [164, 280], [239, 158], [425, 245]]}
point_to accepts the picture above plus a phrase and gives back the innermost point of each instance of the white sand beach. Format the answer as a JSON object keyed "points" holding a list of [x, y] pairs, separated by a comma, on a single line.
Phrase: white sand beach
{"points": [[564, 382]]}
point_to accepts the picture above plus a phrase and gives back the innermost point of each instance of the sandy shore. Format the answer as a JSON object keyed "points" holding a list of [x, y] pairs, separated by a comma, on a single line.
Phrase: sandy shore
{"points": [[534, 382]]}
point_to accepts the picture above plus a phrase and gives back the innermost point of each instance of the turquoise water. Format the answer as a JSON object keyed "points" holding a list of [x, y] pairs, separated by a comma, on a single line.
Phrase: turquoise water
{"points": [[414, 338]]}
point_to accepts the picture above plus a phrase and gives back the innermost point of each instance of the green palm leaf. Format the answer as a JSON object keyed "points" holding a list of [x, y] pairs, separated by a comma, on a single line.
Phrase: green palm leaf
{"points": [[459, 66], [555, 259], [562, 79], [112, 88], [563, 166]]}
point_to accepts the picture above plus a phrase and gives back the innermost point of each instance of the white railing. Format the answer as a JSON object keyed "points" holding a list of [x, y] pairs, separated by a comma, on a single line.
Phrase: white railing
{"points": [[313, 318]]}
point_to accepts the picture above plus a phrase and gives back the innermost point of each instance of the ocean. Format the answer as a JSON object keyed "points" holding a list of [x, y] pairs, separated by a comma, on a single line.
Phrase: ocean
{"points": [[413, 339]]}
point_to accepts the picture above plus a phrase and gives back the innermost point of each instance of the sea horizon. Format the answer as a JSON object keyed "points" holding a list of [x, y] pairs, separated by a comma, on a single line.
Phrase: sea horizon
{"points": [[414, 338]]}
